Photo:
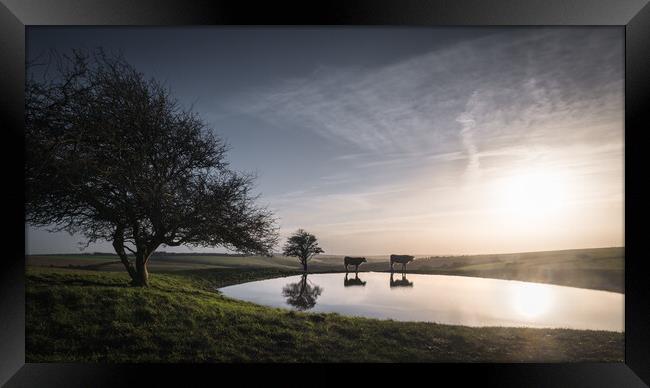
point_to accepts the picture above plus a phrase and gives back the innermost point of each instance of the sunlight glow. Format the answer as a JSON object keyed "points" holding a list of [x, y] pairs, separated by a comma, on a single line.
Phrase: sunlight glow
{"points": [[533, 193], [531, 299]]}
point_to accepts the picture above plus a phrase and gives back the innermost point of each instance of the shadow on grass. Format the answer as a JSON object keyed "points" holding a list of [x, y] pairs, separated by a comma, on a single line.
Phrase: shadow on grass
{"points": [[91, 267], [81, 282]]}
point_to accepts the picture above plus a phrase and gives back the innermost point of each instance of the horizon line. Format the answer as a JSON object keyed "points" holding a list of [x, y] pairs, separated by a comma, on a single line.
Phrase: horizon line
{"points": [[333, 254]]}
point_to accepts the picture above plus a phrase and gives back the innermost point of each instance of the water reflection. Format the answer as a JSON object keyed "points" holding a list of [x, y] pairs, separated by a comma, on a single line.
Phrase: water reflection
{"points": [[403, 282], [456, 300], [353, 282], [531, 299], [302, 295]]}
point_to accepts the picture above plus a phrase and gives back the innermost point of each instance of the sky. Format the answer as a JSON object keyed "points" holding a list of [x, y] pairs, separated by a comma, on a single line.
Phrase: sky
{"points": [[411, 140]]}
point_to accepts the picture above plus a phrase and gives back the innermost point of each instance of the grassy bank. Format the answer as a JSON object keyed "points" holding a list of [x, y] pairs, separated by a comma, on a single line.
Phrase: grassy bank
{"points": [[79, 315]]}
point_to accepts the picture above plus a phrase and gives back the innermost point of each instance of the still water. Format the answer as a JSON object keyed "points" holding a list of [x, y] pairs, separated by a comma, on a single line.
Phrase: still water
{"points": [[456, 300]]}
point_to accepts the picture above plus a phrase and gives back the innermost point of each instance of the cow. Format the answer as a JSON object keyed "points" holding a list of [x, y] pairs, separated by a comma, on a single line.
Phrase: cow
{"points": [[353, 282], [404, 282], [356, 261], [400, 259]]}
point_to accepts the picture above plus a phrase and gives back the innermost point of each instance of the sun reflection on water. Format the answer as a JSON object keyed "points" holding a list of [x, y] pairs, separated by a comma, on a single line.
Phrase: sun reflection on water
{"points": [[531, 300]]}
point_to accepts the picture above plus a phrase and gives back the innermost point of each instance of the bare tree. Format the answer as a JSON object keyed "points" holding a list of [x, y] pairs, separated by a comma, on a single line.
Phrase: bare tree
{"points": [[112, 155], [303, 246]]}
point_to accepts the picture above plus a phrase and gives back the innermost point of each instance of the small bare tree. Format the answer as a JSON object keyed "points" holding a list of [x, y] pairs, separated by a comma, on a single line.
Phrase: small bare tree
{"points": [[111, 155], [302, 245]]}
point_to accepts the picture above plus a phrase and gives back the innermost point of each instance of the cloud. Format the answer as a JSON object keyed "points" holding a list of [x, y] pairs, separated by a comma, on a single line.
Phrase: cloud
{"points": [[466, 119], [473, 96]]}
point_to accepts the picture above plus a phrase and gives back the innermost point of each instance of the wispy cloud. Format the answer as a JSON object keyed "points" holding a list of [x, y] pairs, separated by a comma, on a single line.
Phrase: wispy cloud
{"points": [[466, 119], [471, 96]]}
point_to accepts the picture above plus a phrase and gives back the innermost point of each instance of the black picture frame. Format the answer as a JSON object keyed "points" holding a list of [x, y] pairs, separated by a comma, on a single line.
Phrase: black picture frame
{"points": [[634, 15]]}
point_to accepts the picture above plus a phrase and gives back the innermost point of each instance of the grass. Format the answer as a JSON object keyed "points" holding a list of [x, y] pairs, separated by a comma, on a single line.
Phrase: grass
{"points": [[598, 268], [94, 316]]}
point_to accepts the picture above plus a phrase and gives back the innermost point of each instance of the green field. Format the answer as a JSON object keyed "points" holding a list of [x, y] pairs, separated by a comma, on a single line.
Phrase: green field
{"points": [[75, 315], [600, 268]]}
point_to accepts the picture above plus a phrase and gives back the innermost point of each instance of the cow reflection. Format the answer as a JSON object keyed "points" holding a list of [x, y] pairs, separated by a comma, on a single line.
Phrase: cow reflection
{"points": [[353, 282], [302, 295], [403, 282]]}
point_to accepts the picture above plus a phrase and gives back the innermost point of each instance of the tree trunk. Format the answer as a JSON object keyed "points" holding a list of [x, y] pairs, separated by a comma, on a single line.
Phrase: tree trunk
{"points": [[118, 245], [304, 265], [142, 275], [128, 266], [138, 273]]}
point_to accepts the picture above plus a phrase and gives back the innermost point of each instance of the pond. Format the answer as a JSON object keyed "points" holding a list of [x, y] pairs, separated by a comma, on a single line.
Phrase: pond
{"points": [[455, 300]]}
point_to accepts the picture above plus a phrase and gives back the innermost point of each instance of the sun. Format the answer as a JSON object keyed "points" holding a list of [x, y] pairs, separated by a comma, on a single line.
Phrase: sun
{"points": [[532, 193]]}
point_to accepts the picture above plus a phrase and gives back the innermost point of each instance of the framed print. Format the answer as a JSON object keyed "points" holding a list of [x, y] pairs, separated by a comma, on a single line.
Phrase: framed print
{"points": [[204, 190]]}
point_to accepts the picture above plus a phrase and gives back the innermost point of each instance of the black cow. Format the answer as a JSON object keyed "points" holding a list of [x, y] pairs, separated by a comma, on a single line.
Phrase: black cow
{"points": [[400, 259], [356, 261]]}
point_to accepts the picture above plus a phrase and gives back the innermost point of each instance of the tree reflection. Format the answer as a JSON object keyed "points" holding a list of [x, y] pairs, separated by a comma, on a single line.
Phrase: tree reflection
{"points": [[301, 295]]}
